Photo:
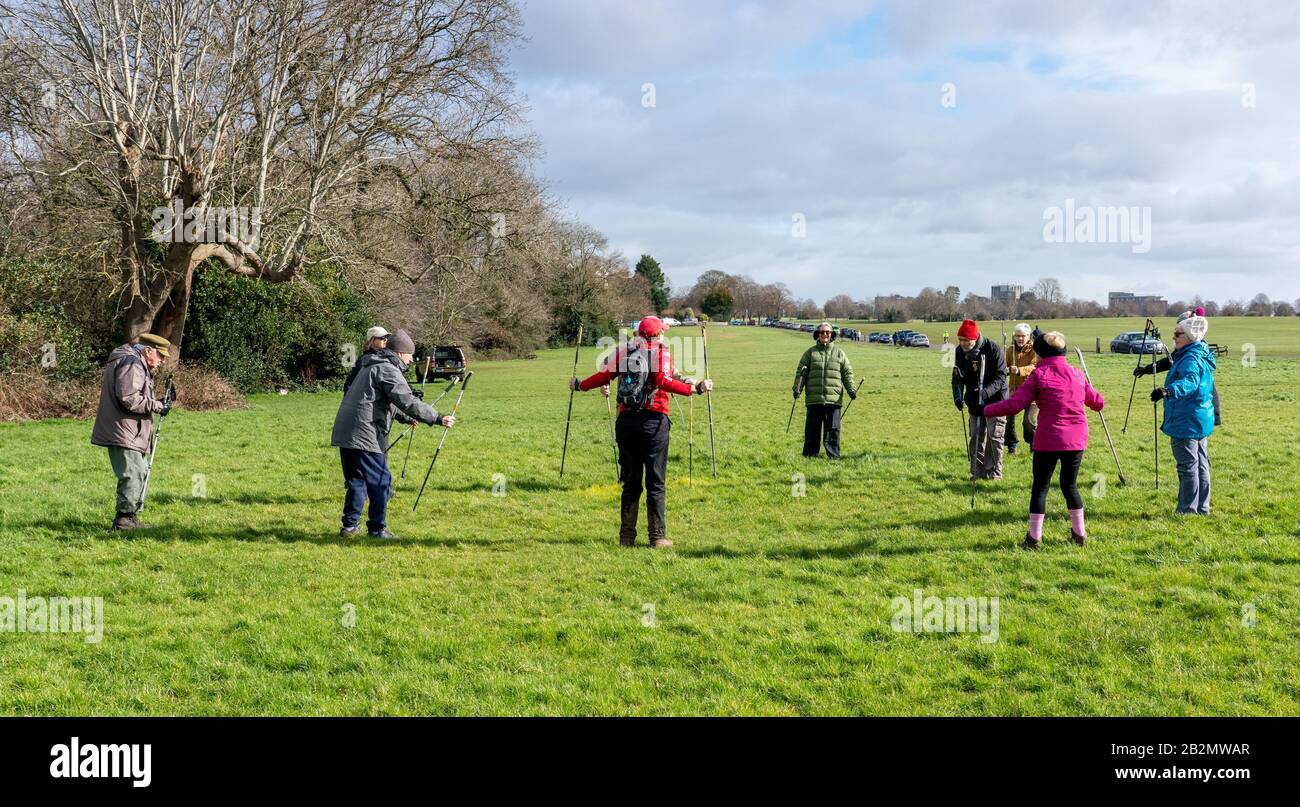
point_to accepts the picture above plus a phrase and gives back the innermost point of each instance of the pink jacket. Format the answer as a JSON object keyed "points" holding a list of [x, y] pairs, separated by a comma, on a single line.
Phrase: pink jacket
{"points": [[1061, 392]]}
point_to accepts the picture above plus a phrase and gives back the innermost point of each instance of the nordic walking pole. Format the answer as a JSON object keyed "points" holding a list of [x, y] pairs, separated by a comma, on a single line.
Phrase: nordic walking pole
{"points": [[854, 398], [168, 395], [690, 441], [1147, 328], [577, 345], [424, 378], [613, 443], [977, 432], [1155, 421], [795, 402], [463, 386], [713, 454], [1088, 378]]}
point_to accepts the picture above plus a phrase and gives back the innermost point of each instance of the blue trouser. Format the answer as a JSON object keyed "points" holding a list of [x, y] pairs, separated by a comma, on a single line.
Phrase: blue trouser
{"points": [[365, 474], [1193, 460]]}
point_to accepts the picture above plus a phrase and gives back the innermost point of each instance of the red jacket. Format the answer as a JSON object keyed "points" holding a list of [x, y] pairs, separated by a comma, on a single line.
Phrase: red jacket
{"points": [[662, 380]]}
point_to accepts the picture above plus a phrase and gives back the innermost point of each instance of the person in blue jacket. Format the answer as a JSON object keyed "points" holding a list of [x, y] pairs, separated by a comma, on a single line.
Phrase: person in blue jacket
{"points": [[1188, 394]]}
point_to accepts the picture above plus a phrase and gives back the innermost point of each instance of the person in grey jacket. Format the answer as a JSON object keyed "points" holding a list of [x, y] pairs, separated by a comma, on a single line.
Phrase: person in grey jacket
{"points": [[124, 421], [377, 395]]}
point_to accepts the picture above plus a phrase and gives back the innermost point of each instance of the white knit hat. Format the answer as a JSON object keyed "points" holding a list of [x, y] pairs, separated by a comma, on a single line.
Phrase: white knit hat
{"points": [[1195, 327]]}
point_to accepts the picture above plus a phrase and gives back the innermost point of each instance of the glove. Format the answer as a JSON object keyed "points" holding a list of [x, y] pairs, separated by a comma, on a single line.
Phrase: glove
{"points": [[1158, 393], [419, 393], [796, 395], [853, 396], [977, 409], [704, 386], [166, 406], [1143, 369]]}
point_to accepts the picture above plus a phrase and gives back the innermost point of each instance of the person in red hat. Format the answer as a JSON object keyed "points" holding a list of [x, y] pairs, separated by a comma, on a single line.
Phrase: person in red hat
{"points": [[644, 372], [969, 389]]}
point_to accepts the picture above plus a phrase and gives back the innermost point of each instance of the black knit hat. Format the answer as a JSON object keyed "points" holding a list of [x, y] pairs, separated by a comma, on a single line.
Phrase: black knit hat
{"points": [[1043, 349]]}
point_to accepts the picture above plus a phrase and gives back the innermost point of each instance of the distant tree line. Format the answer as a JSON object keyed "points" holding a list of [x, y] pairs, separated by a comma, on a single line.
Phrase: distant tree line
{"points": [[721, 295]]}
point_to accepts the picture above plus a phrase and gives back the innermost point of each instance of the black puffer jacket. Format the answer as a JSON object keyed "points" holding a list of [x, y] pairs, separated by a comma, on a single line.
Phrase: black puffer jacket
{"points": [[966, 372]]}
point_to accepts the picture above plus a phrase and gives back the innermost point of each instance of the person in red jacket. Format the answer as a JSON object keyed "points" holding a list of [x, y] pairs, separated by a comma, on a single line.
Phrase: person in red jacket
{"points": [[1061, 393], [644, 372]]}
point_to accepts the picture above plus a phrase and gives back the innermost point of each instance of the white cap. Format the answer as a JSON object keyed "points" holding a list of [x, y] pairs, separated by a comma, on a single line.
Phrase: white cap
{"points": [[377, 332], [1195, 327]]}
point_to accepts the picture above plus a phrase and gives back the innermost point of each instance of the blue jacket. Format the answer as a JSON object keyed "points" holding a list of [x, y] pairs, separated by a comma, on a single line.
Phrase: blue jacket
{"points": [[1189, 405]]}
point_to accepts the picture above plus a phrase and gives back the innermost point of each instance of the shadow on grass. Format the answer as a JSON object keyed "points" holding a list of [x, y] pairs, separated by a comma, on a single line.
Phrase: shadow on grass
{"points": [[865, 548], [241, 498]]}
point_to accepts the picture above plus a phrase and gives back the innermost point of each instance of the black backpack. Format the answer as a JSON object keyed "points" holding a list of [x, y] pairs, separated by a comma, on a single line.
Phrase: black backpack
{"points": [[635, 389]]}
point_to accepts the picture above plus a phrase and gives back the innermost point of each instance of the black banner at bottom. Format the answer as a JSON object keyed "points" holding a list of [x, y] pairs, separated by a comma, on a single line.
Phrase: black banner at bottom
{"points": [[331, 756]]}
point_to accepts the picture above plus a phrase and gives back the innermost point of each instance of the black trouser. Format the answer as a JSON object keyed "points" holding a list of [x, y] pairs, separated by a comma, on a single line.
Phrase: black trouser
{"points": [[642, 451], [822, 426], [1044, 467]]}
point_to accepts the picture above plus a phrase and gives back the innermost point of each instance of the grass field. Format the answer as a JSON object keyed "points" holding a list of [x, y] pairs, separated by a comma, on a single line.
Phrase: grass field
{"points": [[244, 601]]}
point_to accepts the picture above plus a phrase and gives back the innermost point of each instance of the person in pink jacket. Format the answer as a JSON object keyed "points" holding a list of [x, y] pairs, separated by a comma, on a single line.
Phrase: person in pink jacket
{"points": [[1061, 393]]}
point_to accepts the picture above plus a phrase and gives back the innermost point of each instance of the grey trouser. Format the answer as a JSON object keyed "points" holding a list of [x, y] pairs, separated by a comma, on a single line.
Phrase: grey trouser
{"points": [[129, 465], [986, 446], [1193, 460]]}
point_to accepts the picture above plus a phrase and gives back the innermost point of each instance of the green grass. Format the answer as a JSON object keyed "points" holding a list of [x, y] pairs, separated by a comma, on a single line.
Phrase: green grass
{"points": [[769, 604], [1271, 336]]}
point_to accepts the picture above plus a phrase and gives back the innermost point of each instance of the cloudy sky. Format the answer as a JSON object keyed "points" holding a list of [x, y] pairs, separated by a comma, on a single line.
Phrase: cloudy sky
{"points": [[920, 143]]}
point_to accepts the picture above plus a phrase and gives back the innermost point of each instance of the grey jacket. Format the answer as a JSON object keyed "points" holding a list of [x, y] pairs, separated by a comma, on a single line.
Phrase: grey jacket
{"points": [[377, 394], [126, 402]]}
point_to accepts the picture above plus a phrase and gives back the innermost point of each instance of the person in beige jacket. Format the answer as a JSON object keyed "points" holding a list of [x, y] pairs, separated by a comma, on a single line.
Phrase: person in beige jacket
{"points": [[124, 422], [1021, 361]]}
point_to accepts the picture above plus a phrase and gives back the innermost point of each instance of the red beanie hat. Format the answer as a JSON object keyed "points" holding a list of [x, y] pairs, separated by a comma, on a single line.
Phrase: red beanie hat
{"points": [[650, 326], [968, 330]]}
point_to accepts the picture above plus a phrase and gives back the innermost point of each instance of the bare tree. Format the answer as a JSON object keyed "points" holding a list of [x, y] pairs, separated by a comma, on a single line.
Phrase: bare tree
{"points": [[119, 111]]}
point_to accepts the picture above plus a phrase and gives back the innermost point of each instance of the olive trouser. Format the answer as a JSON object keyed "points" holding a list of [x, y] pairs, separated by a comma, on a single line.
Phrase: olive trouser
{"points": [[130, 466]]}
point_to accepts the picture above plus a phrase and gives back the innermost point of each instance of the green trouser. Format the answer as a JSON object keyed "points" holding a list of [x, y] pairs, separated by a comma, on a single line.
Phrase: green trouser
{"points": [[130, 467]]}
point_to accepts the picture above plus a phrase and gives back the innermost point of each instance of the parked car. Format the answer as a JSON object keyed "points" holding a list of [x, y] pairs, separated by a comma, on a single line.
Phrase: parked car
{"points": [[919, 340], [1136, 342], [885, 339], [690, 321]]}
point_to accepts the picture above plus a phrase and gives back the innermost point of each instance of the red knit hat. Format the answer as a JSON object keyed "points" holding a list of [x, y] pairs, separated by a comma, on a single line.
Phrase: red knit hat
{"points": [[968, 330], [650, 326]]}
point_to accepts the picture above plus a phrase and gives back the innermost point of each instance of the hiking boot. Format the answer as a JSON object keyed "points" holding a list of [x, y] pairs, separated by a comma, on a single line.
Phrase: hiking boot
{"points": [[1030, 542], [125, 521], [348, 532], [384, 534], [660, 543], [1011, 449], [1077, 538], [627, 514]]}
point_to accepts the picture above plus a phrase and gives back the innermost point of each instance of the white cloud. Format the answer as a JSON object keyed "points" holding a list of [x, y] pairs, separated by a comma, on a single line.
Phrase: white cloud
{"points": [[766, 110]]}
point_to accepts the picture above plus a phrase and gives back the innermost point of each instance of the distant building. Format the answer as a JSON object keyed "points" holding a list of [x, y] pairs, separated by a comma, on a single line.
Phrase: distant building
{"points": [[1007, 294], [1123, 299]]}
